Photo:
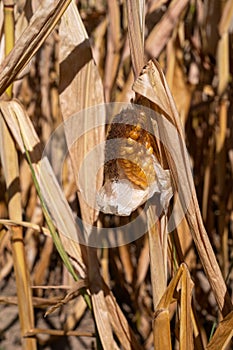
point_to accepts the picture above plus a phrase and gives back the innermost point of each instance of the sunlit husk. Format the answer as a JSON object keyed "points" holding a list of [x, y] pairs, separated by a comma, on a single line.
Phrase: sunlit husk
{"points": [[132, 172]]}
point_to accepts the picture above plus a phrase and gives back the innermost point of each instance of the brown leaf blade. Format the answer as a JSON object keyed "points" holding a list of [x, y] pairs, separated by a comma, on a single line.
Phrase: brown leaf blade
{"points": [[157, 261], [52, 193], [152, 85], [186, 331], [42, 23], [9, 159], [80, 88], [136, 12], [162, 321], [120, 325], [161, 33], [223, 334], [162, 333], [102, 320]]}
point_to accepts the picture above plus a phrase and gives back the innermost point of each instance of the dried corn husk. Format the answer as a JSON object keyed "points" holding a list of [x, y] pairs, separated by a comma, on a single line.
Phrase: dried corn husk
{"points": [[132, 171]]}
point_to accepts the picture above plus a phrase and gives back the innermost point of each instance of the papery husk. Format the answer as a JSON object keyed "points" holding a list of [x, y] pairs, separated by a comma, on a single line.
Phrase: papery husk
{"points": [[133, 173], [122, 198]]}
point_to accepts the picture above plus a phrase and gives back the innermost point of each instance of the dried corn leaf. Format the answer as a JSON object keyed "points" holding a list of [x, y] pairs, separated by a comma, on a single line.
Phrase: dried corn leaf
{"points": [[41, 25], [223, 63], [114, 23], [168, 296], [113, 48], [136, 30], [52, 193], [186, 330], [183, 280], [226, 20], [9, 158], [162, 333], [155, 5], [127, 264], [77, 310], [80, 88], [143, 263], [158, 257], [102, 318], [223, 334], [106, 310], [8, 264], [1, 17], [9, 161], [119, 323], [223, 47], [161, 181], [177, 80], [161, 33], [152, 85]]}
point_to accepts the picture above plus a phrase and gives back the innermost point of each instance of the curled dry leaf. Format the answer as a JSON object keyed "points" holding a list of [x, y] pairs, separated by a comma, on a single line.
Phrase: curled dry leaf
{"points": [[152, 85], [73, 293], [41, 25]]}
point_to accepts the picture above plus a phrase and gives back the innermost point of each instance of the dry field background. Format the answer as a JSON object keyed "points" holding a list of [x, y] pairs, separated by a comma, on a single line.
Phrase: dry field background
{"points": [[160, 291]]}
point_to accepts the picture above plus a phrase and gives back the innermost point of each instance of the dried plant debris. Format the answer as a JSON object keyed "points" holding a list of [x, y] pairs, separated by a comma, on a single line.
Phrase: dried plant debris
{"points": [[72, 55], [132, 172]]}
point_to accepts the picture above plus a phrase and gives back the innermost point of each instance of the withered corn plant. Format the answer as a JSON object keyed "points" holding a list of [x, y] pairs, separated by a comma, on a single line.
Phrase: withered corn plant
{"points": [[116, 174]]}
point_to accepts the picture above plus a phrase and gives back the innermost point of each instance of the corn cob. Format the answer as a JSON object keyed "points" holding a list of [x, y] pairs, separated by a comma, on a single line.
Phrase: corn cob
{"points": [[135, 150]]}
